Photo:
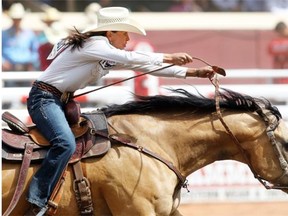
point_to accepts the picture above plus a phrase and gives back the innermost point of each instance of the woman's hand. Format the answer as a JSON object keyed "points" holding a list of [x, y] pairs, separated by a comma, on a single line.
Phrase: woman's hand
{"points": [[177, 58], [203, 72]]}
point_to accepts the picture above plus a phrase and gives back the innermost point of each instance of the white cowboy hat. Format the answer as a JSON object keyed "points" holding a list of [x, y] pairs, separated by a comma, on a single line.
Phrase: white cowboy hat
{"points": [[116, 19], [16, 11]]}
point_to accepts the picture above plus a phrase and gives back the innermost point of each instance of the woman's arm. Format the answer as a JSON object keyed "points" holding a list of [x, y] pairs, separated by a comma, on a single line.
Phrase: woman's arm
{"points": [[100, 48]]}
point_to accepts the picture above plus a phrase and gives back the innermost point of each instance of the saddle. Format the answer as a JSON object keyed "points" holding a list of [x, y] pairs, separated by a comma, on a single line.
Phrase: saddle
{"points": [[90, 133], [24, 143]]}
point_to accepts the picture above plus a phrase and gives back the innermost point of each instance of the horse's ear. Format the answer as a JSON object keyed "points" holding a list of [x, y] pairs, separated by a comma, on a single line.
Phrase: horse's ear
{"points": [[72, 112]]}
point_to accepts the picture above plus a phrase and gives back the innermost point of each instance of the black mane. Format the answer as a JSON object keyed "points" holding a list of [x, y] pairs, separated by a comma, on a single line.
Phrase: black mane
{"points": [[185, 102]]}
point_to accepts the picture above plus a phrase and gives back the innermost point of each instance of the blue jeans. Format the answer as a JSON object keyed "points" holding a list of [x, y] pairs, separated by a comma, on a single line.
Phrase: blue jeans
{"points": [[46, 111]]}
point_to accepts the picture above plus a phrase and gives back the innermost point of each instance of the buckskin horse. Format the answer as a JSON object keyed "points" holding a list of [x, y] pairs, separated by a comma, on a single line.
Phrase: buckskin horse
{"points": [[156, 142]]}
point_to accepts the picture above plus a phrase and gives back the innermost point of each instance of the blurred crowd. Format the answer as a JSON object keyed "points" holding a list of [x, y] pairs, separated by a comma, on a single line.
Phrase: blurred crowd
{"points": [[26, 49], [162, 5]]}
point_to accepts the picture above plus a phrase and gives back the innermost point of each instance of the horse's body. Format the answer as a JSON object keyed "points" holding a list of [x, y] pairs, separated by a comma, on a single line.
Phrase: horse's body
{"points": [[185, 131]]}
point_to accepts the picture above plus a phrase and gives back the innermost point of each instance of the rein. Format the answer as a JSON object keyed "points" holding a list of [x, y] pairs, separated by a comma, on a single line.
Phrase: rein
{"points": [[270, 133], [123, 80]]}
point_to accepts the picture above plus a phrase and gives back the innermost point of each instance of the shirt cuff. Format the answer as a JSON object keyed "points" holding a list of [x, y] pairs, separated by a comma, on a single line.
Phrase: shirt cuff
{"points": [[180, 72]]}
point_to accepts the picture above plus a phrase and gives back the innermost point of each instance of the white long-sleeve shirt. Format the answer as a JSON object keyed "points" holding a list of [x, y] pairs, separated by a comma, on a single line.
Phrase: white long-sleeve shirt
{"points": [[73, 70]]}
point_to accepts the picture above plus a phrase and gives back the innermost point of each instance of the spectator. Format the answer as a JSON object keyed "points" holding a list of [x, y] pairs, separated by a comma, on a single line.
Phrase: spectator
{"points": [[254, 6], [90, 16], [19, 46], [91, 12], [184, 6], [206, 5], [53, 32], [50, 16], [281, 29], [227, 5], [277, 6], [106, 3], [278, 48]]}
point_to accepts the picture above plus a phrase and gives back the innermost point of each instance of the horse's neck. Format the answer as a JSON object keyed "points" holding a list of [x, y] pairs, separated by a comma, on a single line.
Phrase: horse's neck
{"points": [[190, 142]]}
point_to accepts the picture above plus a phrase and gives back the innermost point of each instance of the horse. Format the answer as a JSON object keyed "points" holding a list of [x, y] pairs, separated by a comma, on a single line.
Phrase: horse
{"points": [[186, 133]]}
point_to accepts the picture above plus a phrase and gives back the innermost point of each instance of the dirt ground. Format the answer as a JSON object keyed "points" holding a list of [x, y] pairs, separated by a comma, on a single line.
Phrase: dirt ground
{"points": [[235, 209]]}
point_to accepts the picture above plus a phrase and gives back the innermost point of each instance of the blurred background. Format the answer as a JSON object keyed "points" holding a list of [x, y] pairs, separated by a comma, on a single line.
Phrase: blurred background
{"points": [[249, 38]]}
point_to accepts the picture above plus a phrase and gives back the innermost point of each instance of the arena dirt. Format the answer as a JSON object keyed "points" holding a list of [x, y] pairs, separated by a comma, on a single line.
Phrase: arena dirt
{"points": [[235, 209]]}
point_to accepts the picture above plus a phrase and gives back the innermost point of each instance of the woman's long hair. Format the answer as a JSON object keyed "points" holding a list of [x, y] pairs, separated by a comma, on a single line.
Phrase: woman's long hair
{"points": [[76, 39]]}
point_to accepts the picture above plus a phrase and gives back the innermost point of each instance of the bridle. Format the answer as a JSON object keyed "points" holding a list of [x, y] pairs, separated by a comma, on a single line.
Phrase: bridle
{"points": [[270, 128]]}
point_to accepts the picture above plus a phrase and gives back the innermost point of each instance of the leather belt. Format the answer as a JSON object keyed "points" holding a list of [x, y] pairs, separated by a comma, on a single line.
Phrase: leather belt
{"points": [[48, 88]]}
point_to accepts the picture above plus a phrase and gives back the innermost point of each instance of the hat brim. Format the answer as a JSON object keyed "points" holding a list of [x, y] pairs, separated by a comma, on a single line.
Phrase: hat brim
{"points": [[131, 26]]}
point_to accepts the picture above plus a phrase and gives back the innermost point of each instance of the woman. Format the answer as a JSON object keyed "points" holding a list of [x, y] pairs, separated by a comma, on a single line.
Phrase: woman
{"points": [[79, 60]]}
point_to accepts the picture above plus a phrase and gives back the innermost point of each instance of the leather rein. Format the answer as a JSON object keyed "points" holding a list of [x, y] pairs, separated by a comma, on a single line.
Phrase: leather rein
{"points": [[270, 128]]}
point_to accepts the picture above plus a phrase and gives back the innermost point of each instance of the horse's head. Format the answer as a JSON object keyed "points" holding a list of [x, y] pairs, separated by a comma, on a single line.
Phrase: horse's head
{"points": [[277, 132], [268, 156]]}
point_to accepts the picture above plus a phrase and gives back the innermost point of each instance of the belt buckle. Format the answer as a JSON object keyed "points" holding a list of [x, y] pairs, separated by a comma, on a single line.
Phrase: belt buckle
{"points": [[66, 96]]}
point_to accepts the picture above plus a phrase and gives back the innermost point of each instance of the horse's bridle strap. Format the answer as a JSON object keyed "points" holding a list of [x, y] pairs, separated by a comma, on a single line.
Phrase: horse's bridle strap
{"points": [[120, 139], [183, 181]]}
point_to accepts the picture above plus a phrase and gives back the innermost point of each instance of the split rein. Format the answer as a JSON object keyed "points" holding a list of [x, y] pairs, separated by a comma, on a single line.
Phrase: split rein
{"points": [[270, 133]]}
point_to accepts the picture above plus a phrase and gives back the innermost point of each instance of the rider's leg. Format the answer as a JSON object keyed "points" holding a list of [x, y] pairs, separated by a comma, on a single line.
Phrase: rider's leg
{"points": [[47, 113]]}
